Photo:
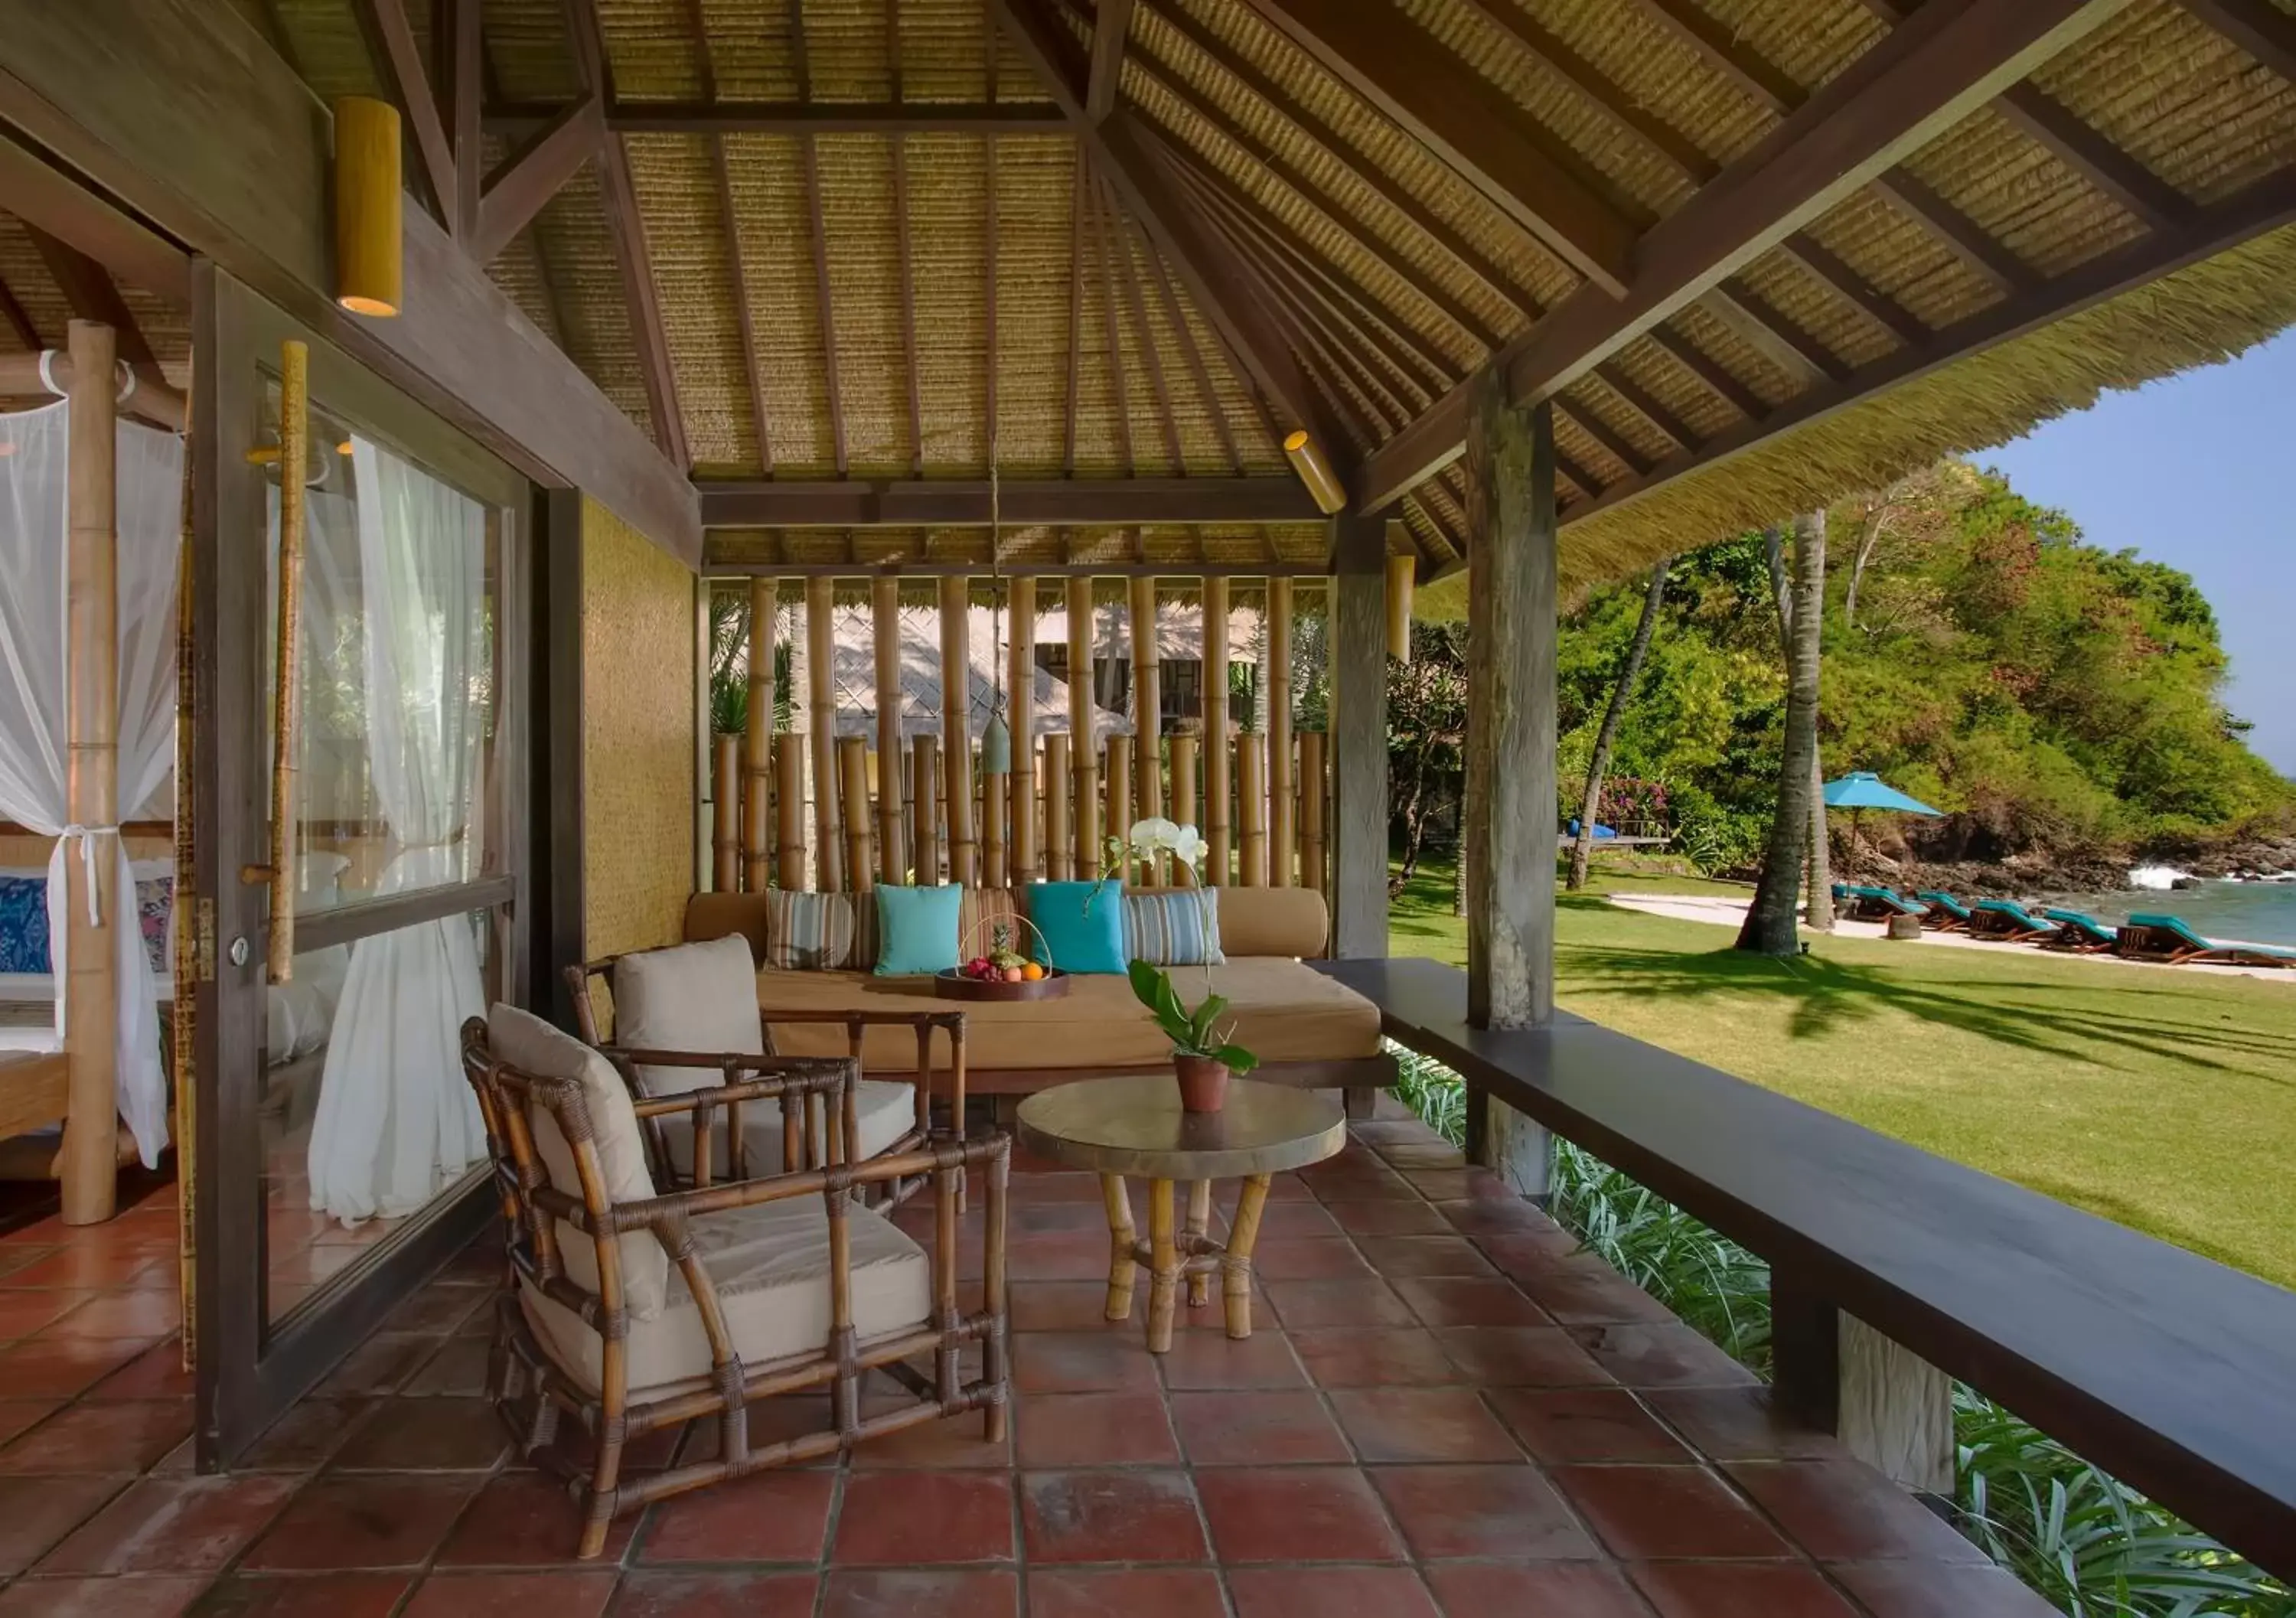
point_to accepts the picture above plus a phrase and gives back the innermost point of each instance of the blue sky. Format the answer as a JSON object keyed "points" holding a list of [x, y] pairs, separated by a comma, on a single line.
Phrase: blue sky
{"points": [[2195, 472]]}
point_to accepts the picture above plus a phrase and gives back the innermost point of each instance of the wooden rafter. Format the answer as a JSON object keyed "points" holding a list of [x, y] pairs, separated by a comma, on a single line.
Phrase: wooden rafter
{"points": [[2257, 26], [1112, 22], [802, 57], [1911, 85], [721, 174], [1709, 372], [400, 54], [1726, 53], [1193, 352], [1112, 323], [1122, 150], [461, 99], [793, 117], [1336, 341], [1816, 259], [1022, 502], [1646, 405], [91, 294], [1962, 236], [1468, 124], [988, 293], [1612, 99], [19, 323], [537, 171], [1389, 190], [1614, 442], [904, 256], [640, 296], [1778, 338], [1150, 353]]}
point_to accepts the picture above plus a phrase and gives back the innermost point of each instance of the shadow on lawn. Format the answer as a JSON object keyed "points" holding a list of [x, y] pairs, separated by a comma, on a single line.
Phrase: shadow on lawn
{"points": [[1828, 995]]}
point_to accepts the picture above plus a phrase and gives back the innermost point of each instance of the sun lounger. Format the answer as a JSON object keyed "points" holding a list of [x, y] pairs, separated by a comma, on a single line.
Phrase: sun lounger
{"points": [[1947, 913], [2079, 933], [2167, 938], [2007, 921], [1868, 904]]}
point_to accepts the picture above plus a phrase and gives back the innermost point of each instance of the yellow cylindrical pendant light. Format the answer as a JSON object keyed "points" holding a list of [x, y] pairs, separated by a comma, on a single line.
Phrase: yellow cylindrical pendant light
{"points": [[368, 272], [1315, 470], [1402, 577]]}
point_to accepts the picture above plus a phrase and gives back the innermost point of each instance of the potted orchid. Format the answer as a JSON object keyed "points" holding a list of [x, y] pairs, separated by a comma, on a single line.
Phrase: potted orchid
{"points": [[1202, 1056]]}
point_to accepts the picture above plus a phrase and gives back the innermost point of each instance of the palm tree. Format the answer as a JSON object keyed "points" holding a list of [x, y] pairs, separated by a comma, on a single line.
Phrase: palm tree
{"points": [[1621, 693], [1769, 925]]}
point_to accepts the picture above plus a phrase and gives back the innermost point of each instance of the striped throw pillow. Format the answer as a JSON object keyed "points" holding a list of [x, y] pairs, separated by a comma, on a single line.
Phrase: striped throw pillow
{"points": [[1173, 929], [820, 931]]}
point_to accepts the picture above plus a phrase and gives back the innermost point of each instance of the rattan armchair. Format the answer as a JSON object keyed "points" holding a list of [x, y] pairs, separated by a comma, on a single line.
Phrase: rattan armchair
{"points": [[635, 1313]]}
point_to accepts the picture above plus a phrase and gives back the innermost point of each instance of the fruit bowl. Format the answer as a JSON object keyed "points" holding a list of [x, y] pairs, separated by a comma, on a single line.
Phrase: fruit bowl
{"points": [[953, 984]]}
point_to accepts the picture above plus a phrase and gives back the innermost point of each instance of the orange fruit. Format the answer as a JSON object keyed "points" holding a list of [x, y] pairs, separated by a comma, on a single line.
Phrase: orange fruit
{"points": [[1032, 972]]}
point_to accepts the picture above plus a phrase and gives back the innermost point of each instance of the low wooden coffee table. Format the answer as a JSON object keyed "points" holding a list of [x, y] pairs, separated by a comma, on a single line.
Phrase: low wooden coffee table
{"points": [[1133, 1124]]}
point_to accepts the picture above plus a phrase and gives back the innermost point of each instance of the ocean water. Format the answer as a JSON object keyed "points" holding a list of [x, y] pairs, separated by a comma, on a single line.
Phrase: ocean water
{"points": [[2259, 912]]}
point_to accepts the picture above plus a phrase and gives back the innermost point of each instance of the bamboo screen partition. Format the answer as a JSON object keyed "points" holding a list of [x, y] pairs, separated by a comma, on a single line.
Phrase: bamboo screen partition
{"points": [[902, 795]]}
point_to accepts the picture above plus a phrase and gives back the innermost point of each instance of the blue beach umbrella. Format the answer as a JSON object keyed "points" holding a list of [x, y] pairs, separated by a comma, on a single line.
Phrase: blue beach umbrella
{"points": [[1861, 790]]}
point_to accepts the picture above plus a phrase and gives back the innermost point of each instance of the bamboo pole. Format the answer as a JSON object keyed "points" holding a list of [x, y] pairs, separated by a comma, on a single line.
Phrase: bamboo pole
{"points": [[853, 782], [88, 1164], [956, 728], [1147, 704], [1183, 794], [820, 698], [1117, 777], [1252, 809], [1060, 852], [1217, 866], [286, 692], [885, 640], [1283, 842], [758, 740], [1083, 751], [993, 871], [788, 804], [1020, 719], [924, 812], [1313, 843], [1402, 577], [725, 812]]}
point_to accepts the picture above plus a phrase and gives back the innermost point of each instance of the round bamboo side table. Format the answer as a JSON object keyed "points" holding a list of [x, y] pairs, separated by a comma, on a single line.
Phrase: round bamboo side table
{"points": [[1134, 1124]]}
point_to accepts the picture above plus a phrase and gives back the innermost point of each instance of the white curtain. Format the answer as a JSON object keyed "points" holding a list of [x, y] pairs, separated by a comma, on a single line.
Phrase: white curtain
{"points": [[35, 450], [396, 1121]]}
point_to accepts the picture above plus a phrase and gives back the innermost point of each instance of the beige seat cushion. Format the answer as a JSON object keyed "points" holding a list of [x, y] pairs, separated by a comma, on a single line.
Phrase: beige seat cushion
{"points": [[521, 1040], [692, 998], [886, 1110], [1283, 1012], [770, 1265]]}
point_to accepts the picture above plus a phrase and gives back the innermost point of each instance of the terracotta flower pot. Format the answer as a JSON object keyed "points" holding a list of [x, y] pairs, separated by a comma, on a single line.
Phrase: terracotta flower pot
{"points": [[1203, 1083]]}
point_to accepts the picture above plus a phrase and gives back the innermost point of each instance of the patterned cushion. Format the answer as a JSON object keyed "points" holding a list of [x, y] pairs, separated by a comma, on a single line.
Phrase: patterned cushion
{"points": [[820, 931], [1178, 929], [24, 921]]}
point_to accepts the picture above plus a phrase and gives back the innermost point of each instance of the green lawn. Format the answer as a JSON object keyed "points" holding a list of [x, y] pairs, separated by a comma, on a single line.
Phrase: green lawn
{"points": [[2167, 1102]]}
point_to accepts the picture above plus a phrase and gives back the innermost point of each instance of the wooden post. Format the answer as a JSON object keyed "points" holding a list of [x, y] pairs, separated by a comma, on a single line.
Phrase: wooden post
{"points": [[788, 805], [1311, 810], [956, 728], [88, 1164], [1251, 809], [1147, 705], [885, 640], [1402, 580], [820, 698], [1084, 747], [1060, 851], [1184, 793], [993, 871], [924, 813], [1891, 1409], [1217, 866], [1282, 837], [1020, 719], [1116, 774], [1358, 740], [1509, 812], [725, 813], [853, 780], [758, 740]]}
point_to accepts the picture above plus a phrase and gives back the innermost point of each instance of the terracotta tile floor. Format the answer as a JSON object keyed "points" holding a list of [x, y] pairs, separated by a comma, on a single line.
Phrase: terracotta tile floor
{"points": [[1443, 1411]]}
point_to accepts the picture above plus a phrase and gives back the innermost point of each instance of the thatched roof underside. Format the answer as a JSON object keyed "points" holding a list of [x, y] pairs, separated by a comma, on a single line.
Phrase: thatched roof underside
{"points": [[912, 297]]}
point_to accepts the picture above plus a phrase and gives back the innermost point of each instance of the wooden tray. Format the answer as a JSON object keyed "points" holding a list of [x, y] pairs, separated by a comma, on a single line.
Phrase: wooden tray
{"points": [[953, 985]]}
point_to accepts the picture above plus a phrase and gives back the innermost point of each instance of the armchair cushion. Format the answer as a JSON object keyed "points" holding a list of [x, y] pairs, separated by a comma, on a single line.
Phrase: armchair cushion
{"points": [[770, 1265], [699, 998], [521, 1040], [886, 1109]]}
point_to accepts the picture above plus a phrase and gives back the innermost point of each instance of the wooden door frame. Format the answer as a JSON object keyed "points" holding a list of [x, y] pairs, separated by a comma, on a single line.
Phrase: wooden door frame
{"points": [[248, 1371]]}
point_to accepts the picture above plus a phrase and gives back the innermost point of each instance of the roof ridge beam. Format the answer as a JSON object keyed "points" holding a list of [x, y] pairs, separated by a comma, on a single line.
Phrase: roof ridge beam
{"points": [[1910, 88], [792, 116], [1468, 124]]}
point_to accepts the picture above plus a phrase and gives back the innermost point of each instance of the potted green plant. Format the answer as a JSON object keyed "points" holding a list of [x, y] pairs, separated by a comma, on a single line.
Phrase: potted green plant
{"points": [[1203, 1057]]}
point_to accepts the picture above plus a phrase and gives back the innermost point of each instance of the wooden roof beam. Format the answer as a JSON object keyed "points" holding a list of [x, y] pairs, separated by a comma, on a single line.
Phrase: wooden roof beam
{"points": [[1724, 51], [19, 323], [1708, 371], [2265, 206], [1112, 22], [461, 99], [1612, 99], [793, 117], [1122, 148], [1911, 87], [963, 503], [1468, 124], [398, 56], [1111, 324], [1770, 333], [91, 294], [1193, 352], [721, 177], [1077, 202], [1120, 246], [1990, 258], [537, 171]]}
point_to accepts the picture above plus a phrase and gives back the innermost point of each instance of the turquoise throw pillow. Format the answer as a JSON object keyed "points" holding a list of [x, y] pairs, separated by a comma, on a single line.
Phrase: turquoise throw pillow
{"points": [[916, 929], [1082, 922]]}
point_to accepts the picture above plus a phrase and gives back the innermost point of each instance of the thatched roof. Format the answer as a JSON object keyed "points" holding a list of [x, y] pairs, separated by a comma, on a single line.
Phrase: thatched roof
{"points": [[1085, 286]]}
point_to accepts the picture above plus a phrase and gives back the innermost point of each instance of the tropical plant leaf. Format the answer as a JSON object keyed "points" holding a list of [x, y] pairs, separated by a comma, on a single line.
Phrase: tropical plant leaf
{"points": [[1236, 1059]]}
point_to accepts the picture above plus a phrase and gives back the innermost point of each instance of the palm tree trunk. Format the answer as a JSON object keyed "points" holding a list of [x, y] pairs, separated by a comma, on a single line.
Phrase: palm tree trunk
{"points": [[1769, 926], [1621, 693], [1810, 638]]}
